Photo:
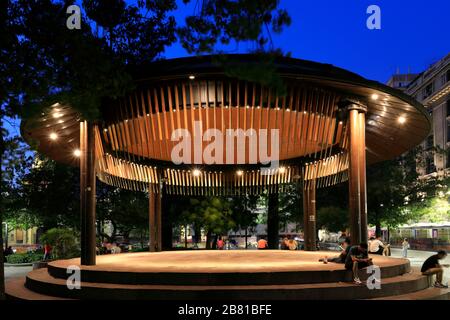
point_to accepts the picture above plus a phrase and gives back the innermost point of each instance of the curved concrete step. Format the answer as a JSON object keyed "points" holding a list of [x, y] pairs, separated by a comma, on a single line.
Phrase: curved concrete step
{"points": [[16, 290], [40, 281], [314, 273], [426, 294]]}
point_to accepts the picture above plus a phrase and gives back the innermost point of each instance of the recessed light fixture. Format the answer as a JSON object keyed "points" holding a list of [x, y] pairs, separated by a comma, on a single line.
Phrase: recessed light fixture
{"points": [[401, 120], [196, 173], [77, 152], [374, 96], [239, 172], [191, 77], [57, 115], [282, 170], [53, 136]]}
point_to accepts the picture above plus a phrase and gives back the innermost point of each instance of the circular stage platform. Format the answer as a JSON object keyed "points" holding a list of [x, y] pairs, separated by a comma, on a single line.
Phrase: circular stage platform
{"points": [[234, 274]]}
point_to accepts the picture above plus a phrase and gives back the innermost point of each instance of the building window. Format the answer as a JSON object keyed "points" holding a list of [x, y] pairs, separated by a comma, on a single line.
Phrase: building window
{"points": [[430, 168], [429, 143], [448, 131], [19, 236], [428, 91]]}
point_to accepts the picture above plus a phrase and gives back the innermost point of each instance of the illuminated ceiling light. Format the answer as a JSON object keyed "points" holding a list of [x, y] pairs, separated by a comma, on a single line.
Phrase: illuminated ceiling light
{"points": [[57, 115], [304, 112], [288, 109], [55, 105], [278, 108], [53, 136], [282, 170], [77, 152], [61, 121], [196, 173], [248, 107], [105, 130], [258, 107], [340, 122], [191, 77], [374, 96], [401, 120], [371, 122], [239, 172]]}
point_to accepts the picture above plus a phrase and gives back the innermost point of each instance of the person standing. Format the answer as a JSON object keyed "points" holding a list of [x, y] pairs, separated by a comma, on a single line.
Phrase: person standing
{"points": [[47, 252], [405, 247], [431, 267], [220, 244]]}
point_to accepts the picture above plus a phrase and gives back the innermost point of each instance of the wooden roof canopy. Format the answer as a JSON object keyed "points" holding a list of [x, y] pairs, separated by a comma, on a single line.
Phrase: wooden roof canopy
{"points": [[133, 138]]}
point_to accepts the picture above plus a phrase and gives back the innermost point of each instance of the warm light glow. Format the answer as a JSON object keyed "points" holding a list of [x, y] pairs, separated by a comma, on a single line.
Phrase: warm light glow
{"points": [[192, 77], [57, 115], [374, 96], [401, 120], [77, 152], [239, 172], [53, 136], [282, 170], [196, 173]]}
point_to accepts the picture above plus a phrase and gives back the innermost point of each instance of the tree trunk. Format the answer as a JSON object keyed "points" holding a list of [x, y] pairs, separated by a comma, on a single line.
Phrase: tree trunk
{"points": [[208, 240], [2, 269], [378, 229], [273, 222], [214, 244], [198, 234], [166, 222], [246, 241]]}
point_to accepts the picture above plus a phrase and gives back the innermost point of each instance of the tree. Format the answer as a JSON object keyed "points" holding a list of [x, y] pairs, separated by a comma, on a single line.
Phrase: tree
{"points": [[332, 218], [244, 212], [210, 213], [50, 191], [125, 210], [389, 185]]}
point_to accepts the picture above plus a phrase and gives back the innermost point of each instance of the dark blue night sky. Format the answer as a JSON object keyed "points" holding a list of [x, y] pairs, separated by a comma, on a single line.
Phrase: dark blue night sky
{"points": [[414, 34]]}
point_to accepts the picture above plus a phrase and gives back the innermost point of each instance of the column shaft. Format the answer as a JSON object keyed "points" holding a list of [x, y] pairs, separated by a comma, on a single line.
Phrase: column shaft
{"points": [[309, 215], [362, 176], [353, 178], [151, 219], [87, 193]]}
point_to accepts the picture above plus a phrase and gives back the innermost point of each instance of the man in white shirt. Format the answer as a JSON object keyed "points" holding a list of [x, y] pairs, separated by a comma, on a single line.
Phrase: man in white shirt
{"points": [[376, 246]]}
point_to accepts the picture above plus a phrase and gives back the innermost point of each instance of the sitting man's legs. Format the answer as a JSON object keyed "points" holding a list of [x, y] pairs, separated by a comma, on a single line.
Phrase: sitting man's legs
{"points": [[439, 272]]}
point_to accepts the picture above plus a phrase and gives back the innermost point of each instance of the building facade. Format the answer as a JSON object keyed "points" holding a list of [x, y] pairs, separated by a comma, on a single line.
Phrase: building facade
{"points": [[432, 89]]}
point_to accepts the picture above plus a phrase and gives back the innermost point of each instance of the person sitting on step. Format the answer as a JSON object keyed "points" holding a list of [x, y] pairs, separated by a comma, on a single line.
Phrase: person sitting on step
{"points": [[431, 266], [357, 258], [345, 247]]}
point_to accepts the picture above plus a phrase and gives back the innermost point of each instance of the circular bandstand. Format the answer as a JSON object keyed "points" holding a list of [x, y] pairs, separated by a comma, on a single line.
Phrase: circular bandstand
{"points": [[240, 136]]}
